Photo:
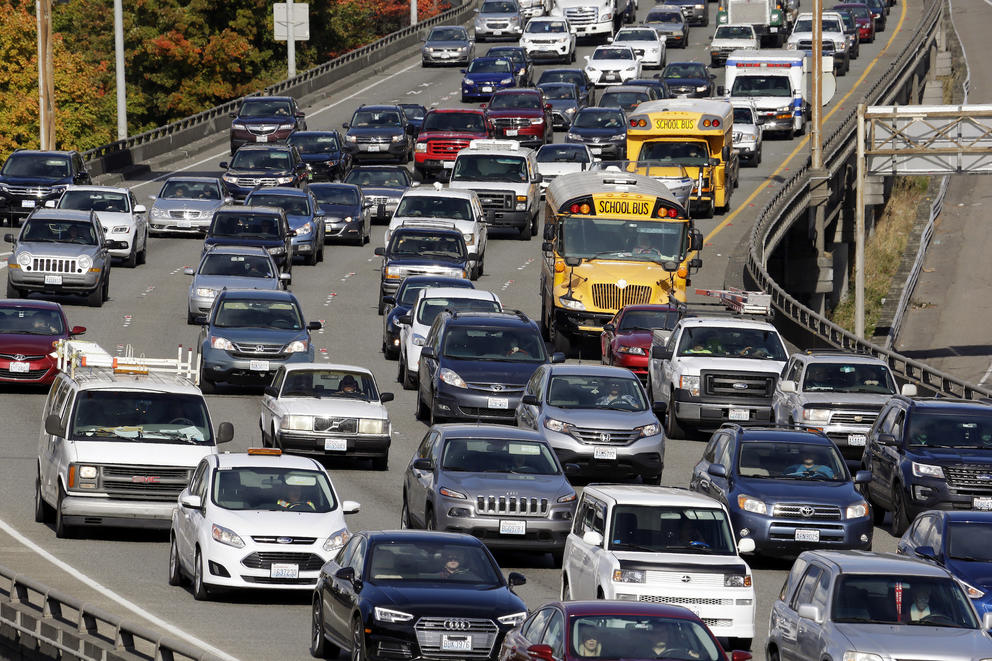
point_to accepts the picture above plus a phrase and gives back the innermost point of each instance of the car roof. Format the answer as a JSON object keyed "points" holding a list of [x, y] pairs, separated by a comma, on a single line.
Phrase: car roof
{"points": [[266, 147], [473, 111], [468, 430], [59, 214], [245, 460], [29, 303], [457, 292], [592, 369], [328, 131], [294, 367], [610, 607], [378, 106], [626, 88], [44, 152], [211, 180], [101, 378], [432, 230], [415, 536], [280, 190], [518, 90], [970, 516], [755, 434], [870, 562], [242, 209], [226, 249], [506, 318], [726, 322], [460, 193], [943, 404], [815, 356], [642, 494], [383, 168], [333, 185], [258, 294], [268, 98], [104, 189]]}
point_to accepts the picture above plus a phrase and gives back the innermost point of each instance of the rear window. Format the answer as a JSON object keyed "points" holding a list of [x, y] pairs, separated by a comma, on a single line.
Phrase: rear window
{"points": [[245, 226]]}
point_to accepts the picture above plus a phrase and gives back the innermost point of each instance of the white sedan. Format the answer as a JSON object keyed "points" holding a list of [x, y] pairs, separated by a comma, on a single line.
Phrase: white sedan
{"points": [[612, 65], [259, 519], [326, 410], [648, 46], [123, 219]]}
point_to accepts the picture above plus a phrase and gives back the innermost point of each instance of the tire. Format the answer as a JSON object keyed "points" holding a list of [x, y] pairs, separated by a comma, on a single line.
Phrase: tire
{"points": [[757, 158], [434, 419], [62, 529], [13, 292], [380, 463], [421, 412], [773, 654], [801, 132], [207, 387], [405, 522], [525, 232], [200, 590], [672, 427], [319, 647], [320, 251], [311, 259], [132, 259], [95, 298], [406, 378], [900, 517], [429, 522], [143, 254], [357, 641], [381, 308], [175, 568], [559, 341], [566, 589], [558, 556], [42, 511]]}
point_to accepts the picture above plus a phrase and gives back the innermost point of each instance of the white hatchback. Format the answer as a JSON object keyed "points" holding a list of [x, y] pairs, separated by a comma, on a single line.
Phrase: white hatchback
{"points": [[259, 519], [612, 65]]}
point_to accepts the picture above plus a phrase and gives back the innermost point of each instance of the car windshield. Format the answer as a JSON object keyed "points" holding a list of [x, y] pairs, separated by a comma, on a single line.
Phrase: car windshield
{"points": [[563, 153], [562, 77], [36, 165], [437, 562], [734, 32], [654, 529], [680, 152], [58, 231], [245, 226], [410, 244], [791, 460], [345, 195], [487, 167], [498, 7], [266, 108], [804, 25], [971, 430], [613, 54], [272, 489], [761, 86], [896, 600], [28, 321], [743, 116], [430, 308], [622, 99], [409, 291], [664, 17], [517, 345], [832, 25], [423, 206], [487, 65], [293, 205], [633, 240], [315, 143], [269, 159], [376, 119], [331, 383], [455, 121], [623, 636], [190, 190], [848, 19], [544, 27], [596, 391], [238, 266], [395, 178], [600, 119], [512, 54], [849, 377], [636, 35], [558, 91], [89, 200], [727, 342], [413, 112], [649, 319], [968, 541], [141, 416], [859, 11], [258, 313], [491, 455], [448, 34], [685, 70], [519, 100]]}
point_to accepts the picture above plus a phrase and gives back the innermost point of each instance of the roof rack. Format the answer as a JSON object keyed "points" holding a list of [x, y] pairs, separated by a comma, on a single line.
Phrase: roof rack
{"points": [[428, 222], [517, 314], [73, 354], [740, 301], [494, 145]]}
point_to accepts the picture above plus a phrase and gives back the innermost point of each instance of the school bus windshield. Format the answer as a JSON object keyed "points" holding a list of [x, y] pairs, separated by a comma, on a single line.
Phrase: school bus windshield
{"points": [[694, 154], [646, 241]]}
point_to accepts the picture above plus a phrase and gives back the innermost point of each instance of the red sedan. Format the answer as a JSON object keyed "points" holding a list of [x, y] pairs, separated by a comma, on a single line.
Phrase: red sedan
{"points": [[28, 332], [588, 630], [626, 339], [862, 18]]}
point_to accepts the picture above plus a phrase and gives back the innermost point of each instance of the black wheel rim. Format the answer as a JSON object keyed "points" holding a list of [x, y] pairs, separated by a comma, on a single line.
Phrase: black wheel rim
{"points": [[173, 559], [356, 652], [198, 575], [316, 633]]}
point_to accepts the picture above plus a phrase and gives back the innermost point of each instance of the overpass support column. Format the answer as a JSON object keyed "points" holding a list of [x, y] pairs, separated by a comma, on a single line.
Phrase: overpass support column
{"points": [[819, 190]]}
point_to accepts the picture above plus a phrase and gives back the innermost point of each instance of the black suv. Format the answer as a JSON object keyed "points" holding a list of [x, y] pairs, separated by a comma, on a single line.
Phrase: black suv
{"points": [[420, 251], [322, 151], [264, 227], [265, 119], [475, 365], [587, 91], [29, 177], [264, 165], [379, 133], [929, 454]]}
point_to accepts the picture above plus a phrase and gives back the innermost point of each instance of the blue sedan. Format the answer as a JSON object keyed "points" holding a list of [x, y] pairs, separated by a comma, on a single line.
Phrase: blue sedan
{"points": [[485, 75], [302, 214]]}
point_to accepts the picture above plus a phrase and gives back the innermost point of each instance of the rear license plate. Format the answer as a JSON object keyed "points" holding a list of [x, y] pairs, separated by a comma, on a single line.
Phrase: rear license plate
{"points": [[456, 643], [336, 444], [20, 368], [807, 535], [280, 570], [448, 165], [258, 365], [373, 148], [513, 527], [739, 414], [857, 439], [261, 138], [984, 503], [53, 279], [511, 132], [499, 403], [30, 204], [604, 453]]}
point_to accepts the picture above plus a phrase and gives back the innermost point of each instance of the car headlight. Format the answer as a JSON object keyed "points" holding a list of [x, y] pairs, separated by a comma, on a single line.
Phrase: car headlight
{"points": [[635, 351], [506, 81], [230, 178], [159, 213], [468, 81], [451, 493], [702, 88], [469, 239], [391, 616], [306, 228], [573, 136], [288, 179], [337, 539], [297, 346], [536, 121], [628, 575], [418, 340], [631, 69], [25, 259], [84, 262], [217, 342], [350, 138], [569, 111], [276, 250], [571, 303], [393, 272], [858, 511], [791, 45], [557, 425], [750, 504], [649, 429], [816, 415], [618, 136], [451, 378], [297, 423], [690, 383], [348, 219], [398, 138], [736, 581], [747, 137], [927, 470], [861, 656], [784, 109], [420, 147], [87, 472], [372, 426], [513, 619], [568, 498], [285, 127], [226, 536], [206, 292], [605, 15]]}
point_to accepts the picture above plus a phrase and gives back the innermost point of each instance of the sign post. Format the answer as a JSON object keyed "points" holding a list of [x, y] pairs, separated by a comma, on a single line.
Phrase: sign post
{"points": [[291, 23]]}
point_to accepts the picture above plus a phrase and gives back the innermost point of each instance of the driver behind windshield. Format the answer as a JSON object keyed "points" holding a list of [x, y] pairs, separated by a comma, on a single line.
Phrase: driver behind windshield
{"points": [[809, 466]]}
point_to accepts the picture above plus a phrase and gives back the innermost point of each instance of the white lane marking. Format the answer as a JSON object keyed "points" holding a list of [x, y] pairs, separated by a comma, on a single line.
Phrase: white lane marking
{"points": [[110, 594], [988, 372]]}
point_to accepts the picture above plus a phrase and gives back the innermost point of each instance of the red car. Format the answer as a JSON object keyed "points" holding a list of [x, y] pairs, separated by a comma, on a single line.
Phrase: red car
{"points": [[28, 332], [446, 131], [520, 114], [588, 630], [863, 18], [626, 339]]}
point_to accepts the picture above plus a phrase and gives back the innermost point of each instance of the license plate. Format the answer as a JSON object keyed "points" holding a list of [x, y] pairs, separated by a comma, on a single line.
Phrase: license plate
{"points": [[185, 224], [336, 444], [984, 503], [513, 527], [857, 439], [448, 165], [261, 138], [487, 88], [596, 150], [807, 535], [511, 132], [258, 365], [20, 368], [739, 414], [53, 279], [497, 33], [446, 55], [373, 148], [604, 453], [456, 643], [773, 29], [30, 204], [499, 403], [280, 570]]}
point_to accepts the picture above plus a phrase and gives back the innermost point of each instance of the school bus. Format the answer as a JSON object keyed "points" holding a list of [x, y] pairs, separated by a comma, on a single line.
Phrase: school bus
{"points": [[611, 239], [694, 133]]}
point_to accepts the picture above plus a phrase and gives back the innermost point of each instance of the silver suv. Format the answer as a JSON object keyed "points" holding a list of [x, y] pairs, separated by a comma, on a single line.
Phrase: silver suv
{"points": [[503, 485], [862, 606], [499, 19], [59, 251]]}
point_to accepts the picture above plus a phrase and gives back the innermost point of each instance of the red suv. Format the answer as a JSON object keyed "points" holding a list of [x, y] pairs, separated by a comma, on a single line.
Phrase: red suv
{"points": [[445, 133], [520, 114], [28, 333]]}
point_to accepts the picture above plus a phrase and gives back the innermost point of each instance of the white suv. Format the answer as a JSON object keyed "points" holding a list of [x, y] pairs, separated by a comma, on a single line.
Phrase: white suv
{"points": [[661, 545], [549, 38], [415, 325]]}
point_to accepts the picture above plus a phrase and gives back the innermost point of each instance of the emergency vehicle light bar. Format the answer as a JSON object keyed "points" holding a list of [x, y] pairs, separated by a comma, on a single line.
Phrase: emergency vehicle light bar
{"points": [[740, 301], [73, 354]]}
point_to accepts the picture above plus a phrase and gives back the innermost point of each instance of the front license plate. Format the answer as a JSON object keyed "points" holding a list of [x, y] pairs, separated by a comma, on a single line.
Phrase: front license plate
{"points": [[30, 204], [773, 29], [448, 165], [261, 138], [456, 643], [984, 503], [511, 132], [18, 367], [185, 224], [513, 527], [258, 365], [487, 88], [336, 444], [53, 279], [446, 55], [596, 150], [373, 148], [857, 439], [739, 414], [604, 453], [499, 403], [497, 33], [807, 535], [279, 570]]}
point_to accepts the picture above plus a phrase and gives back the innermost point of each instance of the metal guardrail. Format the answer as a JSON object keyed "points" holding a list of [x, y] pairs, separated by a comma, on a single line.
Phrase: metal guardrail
{"points": [[792, 201], [45, 622]]}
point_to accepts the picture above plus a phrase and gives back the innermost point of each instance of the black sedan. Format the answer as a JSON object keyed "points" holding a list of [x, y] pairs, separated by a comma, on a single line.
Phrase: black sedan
{"points": [[411, 595], [322, 151], [690, 79]]}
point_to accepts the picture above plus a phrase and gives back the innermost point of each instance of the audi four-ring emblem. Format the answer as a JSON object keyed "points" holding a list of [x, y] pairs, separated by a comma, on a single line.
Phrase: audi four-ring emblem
{"points": [[457, 625]]}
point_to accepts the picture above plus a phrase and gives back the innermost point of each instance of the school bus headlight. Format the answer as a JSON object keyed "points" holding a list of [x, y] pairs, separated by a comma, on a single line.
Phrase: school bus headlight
{"points": [[571, 303]]}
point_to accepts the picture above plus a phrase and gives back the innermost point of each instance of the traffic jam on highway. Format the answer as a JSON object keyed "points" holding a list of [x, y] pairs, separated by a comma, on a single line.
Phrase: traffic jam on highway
{"points": [[520, 448]]}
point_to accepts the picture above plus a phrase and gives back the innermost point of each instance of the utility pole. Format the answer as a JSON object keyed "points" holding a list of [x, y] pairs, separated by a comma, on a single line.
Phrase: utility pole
{"points": [[46, 83], [119, 66], [291, 38], [818, 177], [816, 139], [413, 12]]}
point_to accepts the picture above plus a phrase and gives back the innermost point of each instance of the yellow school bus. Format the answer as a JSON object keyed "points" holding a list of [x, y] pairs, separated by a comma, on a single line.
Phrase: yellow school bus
{"points": [[612, 239], [696, 134]]}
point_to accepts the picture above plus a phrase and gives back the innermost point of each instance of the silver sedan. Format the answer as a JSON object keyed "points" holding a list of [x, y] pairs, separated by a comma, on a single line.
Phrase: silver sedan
{"points": [[230, 267]]}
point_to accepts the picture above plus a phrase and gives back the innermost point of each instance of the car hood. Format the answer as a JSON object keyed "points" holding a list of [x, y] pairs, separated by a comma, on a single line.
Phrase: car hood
{"points": [[446, 44], [183, 203], [449, 135], [687, 81], [563, 104], [295, 222], [403, 260], [557, 169], [111, 218], [436, 598], [34, 181], [239, 241], [256, 172], [334, 407], [666, 26], [478, 371], [281, 523], [376, 130], [276, 120], [796, 37], [602, 418], [339, 210], [485, 77], [314, 157], [514, 112], [635, 338], [133, 452], [666, 561], [219, 282], [841, 494], [893, 640], [594, 132], [639, 44], [692, 364], [839, 399], [950, 456], [978, 574], [60, 249], [259, 335], [26, 344], [474, 484], [611, 64], [733, 43], [494, 16]]}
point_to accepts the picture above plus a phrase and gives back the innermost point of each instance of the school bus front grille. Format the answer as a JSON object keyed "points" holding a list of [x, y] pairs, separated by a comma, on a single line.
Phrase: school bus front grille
{"points": [[611, 297]]}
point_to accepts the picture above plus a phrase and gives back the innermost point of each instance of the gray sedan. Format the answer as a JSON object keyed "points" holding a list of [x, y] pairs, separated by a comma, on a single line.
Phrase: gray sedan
{"points": [[230, 267], [447, 44], [186, 205]]}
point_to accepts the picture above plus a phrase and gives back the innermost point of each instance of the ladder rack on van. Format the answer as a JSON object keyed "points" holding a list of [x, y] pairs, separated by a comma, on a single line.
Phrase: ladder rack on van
{"points": [[73, 354], [740, 301]]}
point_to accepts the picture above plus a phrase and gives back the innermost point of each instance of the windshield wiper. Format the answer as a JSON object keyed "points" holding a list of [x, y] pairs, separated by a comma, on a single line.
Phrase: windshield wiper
{"points": [[604, 253], [967, 558], [633, 547], [175, 435]]}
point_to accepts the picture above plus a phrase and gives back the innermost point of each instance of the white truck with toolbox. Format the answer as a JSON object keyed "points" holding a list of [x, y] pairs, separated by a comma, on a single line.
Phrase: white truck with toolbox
{"points": [[770, 23], [775, 81], [589, 18]]}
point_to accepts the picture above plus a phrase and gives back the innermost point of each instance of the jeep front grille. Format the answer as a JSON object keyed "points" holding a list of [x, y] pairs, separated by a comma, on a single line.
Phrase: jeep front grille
{"points": [[807, 512], [54, 265], [336, 425], [511, 505]]}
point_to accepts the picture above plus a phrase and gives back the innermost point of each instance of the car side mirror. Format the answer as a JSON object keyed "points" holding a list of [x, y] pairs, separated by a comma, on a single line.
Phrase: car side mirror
{"points": [[405, 320], [427, 352], [926, 552], [153, 197], [423, 464], [191, 502], [386, 397], [189, 271], [300, 114], [592, 538], [610, 328], [286, 277], [659, 408], [541, 652], [587, 57], [368, 204], [717, 470], [9, 238], [549, 232], [908, 390], [53, 426], [787, 386], [696, 240], [609, 40], [558, 357], [223, 165], [351, 507], [315, 325], [346, 574], [225, 432], [271, 391], [389, 300], [887, 439], [660, 353], [538, 178], [720, 90], [140, 208], [463, 70], [77, 330], [862, 477], [572, 470], [529, 400], [515, 578], [809, 612], [380, 251], [547, 246], [746, 545], [712, 76], [987, 621], [344, 125]]}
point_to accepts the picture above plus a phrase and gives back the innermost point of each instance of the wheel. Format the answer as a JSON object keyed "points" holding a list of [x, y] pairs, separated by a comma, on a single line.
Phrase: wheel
{"points": [[357, 641], [566, 589], [405, 522], [482, 265], [421, 413], [900, 515], [801, 132], [311, 259], [757, 158], [429, 521], [559, 341], [408, 379], [380, 463], [525, 232], [382, 305], [13, 292], [672, 427], [132, 259], [62, 529], [319, 647], [42, 512], [435, 419], [200, 590], [143, 253], [773, 654], [207, 387], [320, 251], [95, 298], [175, 569], [558, 556]]}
